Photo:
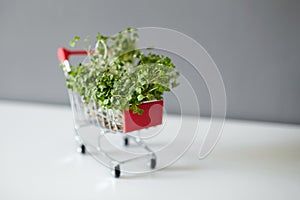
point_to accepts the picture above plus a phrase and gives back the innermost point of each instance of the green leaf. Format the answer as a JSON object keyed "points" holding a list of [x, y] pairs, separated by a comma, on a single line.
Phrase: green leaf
{"points": [[127, 107], [72, 44], [174, 84], [140, 97], [140, 111], [106, 101], [76, 38], [138, 90]]}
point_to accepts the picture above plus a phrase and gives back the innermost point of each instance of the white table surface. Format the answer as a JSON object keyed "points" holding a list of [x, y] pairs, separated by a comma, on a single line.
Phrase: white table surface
{"points": [[253, 160]]}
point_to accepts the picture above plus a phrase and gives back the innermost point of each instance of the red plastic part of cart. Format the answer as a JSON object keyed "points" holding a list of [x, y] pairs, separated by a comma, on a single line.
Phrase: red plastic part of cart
{"points": [[63, 54], [152, 116]]}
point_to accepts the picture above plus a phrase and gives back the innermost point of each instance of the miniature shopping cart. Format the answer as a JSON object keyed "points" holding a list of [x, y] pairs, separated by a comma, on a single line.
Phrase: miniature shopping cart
{"points": [[109, 121]]}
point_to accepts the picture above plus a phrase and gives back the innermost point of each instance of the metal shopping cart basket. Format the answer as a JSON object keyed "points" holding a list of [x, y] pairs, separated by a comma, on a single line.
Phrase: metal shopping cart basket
{"points": [[109, 121]]}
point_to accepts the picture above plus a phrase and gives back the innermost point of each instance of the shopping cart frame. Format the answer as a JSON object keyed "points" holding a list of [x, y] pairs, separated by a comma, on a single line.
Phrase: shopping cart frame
{"points": [[102, 118]]}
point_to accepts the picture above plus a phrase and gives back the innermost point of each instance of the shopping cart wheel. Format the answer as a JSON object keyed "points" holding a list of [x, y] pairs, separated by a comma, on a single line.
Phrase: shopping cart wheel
{"points": [[117, 171], [153, 163], [126, 141], [81, 149]]}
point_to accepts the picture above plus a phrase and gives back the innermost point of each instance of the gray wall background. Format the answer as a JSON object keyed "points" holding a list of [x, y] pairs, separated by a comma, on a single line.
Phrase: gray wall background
{"points": [[255, 44]]}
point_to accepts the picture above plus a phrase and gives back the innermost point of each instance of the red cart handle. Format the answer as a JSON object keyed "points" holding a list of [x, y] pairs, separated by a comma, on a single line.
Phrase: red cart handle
{"points": [[63, 54]]}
